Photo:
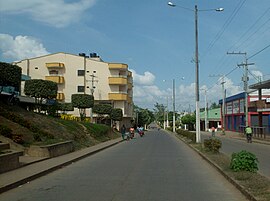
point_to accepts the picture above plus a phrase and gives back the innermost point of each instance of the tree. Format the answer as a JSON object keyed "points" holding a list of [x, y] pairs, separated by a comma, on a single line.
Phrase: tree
{"points": [[159, 111], [65, 107], [82, 101], [40, 90], [102, 110], [144, 116], [10, 75], [214, 106], [190, 120], [116, 114]]}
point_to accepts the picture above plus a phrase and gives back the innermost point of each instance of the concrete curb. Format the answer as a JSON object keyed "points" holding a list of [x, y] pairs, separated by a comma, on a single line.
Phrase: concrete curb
{"points": [[231, 180], [29, 178]]}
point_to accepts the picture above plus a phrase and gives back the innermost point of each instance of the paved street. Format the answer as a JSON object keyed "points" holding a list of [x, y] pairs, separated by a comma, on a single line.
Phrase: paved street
{"points": [[157, 167], [230, 145]]}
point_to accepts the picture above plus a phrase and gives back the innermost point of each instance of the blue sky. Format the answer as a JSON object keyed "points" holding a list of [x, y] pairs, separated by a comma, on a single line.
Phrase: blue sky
{"points": [[155, 40]]}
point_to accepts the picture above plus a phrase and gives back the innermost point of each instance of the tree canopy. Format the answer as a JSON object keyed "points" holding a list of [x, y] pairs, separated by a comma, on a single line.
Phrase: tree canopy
{"points": [[116, 114], [40, 89], [10, 75]]}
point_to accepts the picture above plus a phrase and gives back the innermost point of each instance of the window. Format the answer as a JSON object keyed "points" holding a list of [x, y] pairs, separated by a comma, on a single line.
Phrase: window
{"points": [[80, 88], [81, 72]]}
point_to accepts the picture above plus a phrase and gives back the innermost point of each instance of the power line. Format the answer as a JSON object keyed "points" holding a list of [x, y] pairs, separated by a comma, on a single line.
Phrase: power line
{"points": [[225, 25], [250, 28], [256, 31], [259, 52]]}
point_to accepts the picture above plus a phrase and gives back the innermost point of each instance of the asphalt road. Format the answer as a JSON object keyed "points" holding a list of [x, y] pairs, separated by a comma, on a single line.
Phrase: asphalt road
{"points": [[156, 167], [231, 145]]}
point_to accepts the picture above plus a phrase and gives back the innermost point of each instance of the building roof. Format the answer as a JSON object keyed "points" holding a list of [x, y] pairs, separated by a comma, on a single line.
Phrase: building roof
{"points": [[234, 97], [212, 115], [261, 85]]}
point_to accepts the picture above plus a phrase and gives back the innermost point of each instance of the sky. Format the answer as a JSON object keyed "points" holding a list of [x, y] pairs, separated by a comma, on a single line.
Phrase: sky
{"points": [[155, 40]]}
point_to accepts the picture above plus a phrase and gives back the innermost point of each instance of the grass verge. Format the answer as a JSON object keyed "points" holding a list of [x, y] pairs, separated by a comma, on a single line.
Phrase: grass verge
{"points": [[254, 184]]}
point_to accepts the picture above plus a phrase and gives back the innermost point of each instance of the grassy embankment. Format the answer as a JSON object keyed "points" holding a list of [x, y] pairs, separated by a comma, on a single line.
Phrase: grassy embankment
{"points": [[28, 128]]}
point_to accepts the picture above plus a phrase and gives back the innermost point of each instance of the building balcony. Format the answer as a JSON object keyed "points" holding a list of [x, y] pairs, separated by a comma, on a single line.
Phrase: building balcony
{"points": [[118, 66], [55, 78], [259, 104], [60, 96], [118, 96], [129, 74], [55, 65], [118, 80]]}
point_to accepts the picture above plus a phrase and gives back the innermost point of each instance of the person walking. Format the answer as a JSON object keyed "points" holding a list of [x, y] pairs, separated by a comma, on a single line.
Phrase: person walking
{"points": [[213, 129], [248, 132], [123, 131]]}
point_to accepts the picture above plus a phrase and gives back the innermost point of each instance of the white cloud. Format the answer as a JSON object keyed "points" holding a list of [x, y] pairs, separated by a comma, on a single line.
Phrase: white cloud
{"points": [[20, 47], [145, 93], [56, 13], [146, 79], [258, 76]]}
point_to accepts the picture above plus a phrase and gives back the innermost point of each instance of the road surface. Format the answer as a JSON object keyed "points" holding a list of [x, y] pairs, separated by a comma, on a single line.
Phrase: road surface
{"points": [[156, 167]]}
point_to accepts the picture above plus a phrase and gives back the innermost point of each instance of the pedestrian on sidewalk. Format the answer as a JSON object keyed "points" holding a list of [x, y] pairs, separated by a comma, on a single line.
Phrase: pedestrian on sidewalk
{"points": [[123, 131], [248, 132], [213, 129]]}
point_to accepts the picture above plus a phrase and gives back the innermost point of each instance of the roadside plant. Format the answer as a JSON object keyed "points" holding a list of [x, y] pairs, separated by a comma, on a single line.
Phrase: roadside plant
{"points": [[244, 161], [212, 144], [187, 134], [5, 131]]}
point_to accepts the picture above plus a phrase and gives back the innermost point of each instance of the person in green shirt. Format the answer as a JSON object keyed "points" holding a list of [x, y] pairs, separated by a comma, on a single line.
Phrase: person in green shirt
{"points": [[248, 132]]}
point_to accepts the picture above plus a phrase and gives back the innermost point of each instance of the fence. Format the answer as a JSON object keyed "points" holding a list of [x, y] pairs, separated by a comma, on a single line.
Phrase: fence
{"points": [[257, 131]]}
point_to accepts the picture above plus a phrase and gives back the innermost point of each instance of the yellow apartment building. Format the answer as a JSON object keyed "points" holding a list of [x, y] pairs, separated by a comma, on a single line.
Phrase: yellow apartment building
{"points": [[109, 82]]}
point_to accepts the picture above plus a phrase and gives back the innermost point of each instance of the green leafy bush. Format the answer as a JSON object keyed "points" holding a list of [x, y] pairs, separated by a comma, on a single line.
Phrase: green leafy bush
{"points": [[5, 131], [212, 144], [244, 161], [187, 134]]}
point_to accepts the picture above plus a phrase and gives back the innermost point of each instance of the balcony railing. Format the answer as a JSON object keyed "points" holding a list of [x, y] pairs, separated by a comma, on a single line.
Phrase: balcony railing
{"points": [[55, 78], [60, 96], [259, 104], [118, 80], [119, 66], [55, 65], [118, 96]]}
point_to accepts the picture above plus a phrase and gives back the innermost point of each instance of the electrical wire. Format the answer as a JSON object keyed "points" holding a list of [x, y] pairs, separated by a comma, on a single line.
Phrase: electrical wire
{"points": [[225, 26], [259, 52], [249, 29]]}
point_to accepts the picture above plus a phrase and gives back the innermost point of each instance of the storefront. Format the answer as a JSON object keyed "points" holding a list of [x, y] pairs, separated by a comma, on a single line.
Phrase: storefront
{"points": [[235, 112]]}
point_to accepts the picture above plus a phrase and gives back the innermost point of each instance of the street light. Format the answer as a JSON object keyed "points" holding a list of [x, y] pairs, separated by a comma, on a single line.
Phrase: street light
{"points": [[93, 76], [198, 135]]}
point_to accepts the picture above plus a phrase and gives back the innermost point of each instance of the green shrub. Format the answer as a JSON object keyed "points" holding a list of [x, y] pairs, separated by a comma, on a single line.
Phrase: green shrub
{"points": [[5, 131], [244, 161], [187, 134], [169, 129], [212, 144]]}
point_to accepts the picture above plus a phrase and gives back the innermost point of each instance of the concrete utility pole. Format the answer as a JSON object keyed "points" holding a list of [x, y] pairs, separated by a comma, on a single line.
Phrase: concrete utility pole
{"points": [[223, 106], [245, 79], [205, 111], [223, 100], [173, 105], [197, 93], [93, 80]]}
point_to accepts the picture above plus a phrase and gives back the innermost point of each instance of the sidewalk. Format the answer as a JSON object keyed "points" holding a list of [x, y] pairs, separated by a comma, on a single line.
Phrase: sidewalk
{"points": [[36, 167], [239, 136]]}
